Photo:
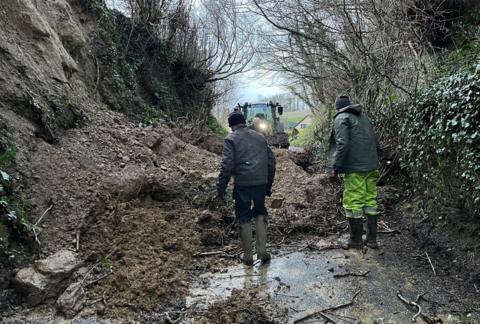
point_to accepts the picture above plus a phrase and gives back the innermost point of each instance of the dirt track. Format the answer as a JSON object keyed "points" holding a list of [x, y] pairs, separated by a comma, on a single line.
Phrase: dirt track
{"points": [[168, 245]]}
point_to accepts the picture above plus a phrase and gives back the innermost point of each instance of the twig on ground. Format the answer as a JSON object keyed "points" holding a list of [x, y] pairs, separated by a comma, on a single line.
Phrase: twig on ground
{"points": [[209, 253], [389, 232], [34, 227], [78, 241], [219, 253], [411, 303], [96, 264], [420, 297], [43, 215], [98, 279], [241, 276], [285, 295], [351, 274], [305, 247], [328, 317], [315, 310], [431, 264]]}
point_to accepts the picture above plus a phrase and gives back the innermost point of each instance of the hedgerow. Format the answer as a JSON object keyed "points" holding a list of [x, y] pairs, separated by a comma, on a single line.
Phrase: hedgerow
{"points": [[441, 141]]}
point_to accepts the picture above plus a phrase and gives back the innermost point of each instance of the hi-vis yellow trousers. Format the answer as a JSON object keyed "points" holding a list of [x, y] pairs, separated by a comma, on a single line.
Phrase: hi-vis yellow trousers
{"points": [[360, 194]]}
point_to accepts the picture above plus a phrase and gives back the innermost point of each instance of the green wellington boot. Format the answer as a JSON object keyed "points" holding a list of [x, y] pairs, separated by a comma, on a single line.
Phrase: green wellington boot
{"points": [[371, 240], [245, 234], [261, 238]]}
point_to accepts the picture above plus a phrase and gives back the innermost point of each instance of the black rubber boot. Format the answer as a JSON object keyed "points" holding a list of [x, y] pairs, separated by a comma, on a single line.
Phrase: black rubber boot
{"points": [[356, 231], [245, 234], [261, 238], [371, 240]]}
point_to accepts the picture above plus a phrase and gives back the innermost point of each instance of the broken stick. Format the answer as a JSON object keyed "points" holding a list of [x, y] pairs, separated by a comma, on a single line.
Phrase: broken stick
{"points": [[43, 215], [431, 264], [411, 303], [77, 239], [98, 279], [307, 314], [350, 274]]}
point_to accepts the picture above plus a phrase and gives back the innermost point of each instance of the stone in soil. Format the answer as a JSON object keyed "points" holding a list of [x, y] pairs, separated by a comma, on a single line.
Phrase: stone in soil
{"points": [[47, 278], [72, 300]]}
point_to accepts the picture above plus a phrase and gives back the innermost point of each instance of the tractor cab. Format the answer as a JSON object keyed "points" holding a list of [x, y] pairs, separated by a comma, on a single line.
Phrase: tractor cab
{"points": [[264, 118]]}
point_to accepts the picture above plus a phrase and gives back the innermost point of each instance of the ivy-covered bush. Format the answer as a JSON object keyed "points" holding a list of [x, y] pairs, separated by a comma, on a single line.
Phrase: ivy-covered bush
{"points": [[441, 142]]}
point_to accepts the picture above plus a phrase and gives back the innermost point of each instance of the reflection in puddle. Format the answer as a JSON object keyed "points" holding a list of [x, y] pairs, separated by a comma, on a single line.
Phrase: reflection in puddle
{"points": [[300, 282], [302, 279]]}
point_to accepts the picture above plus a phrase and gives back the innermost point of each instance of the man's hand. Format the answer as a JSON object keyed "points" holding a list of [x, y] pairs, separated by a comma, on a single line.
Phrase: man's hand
{"points": [[268, 193]]}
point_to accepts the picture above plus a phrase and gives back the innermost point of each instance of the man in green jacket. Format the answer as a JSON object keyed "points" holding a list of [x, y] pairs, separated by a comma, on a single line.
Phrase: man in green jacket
{"points": [[355, 153]]}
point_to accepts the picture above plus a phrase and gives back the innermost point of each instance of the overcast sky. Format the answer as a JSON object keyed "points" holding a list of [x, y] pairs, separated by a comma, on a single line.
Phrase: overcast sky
{"points": [[254, 85]]}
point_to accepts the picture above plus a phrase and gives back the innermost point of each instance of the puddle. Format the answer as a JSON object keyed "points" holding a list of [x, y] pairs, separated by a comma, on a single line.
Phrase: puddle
{"points": [[296, 281], [296, 275], [301, 282]]}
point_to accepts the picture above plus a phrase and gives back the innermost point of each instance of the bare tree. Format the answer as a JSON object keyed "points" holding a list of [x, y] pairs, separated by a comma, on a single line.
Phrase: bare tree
{"points": [[367, 48]]}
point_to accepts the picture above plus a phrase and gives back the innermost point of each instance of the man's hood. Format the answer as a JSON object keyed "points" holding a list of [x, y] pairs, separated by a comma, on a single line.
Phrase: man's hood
{"points": [[354, 109]]}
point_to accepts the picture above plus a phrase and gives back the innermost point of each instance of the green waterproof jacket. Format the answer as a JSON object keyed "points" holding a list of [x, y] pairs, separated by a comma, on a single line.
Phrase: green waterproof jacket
{"points": [[353, 144]]}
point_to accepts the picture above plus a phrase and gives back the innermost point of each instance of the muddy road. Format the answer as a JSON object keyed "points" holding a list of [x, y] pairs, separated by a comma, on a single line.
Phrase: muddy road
{"points": [[311, 280], [170, 255]]}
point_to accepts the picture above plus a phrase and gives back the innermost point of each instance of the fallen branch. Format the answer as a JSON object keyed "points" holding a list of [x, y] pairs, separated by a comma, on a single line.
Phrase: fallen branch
{"points": [[316, 311], [411, 303], [351, 274], [431, 264]]}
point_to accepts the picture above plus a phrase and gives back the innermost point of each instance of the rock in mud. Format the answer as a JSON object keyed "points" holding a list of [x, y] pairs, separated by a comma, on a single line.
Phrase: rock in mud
{"points": [[152, 140], [276, 203], [59, 265], [47, 278], [32, 284], [72, 300]]}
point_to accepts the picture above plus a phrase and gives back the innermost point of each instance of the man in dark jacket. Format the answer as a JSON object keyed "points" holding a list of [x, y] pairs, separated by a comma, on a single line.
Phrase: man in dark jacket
{"points": [[247, 157], [355, 153]]}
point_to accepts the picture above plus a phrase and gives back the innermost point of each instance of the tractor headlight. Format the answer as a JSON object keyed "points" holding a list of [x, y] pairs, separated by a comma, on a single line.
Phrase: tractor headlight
{"points": [[262, 126]]}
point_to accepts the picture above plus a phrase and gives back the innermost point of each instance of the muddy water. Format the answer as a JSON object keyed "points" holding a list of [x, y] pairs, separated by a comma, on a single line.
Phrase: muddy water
{"points": [[300, 282]]}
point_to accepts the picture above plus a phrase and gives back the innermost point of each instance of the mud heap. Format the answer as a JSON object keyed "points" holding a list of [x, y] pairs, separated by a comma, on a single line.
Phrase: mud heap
{"points": [[135, 203]]}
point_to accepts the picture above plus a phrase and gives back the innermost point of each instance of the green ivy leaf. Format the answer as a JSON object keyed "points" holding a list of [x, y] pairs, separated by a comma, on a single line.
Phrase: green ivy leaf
{"points": [[5, 176]]}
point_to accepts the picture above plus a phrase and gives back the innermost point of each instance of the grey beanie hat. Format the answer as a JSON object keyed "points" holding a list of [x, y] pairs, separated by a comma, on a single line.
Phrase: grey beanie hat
{"points": [[342, 102]]}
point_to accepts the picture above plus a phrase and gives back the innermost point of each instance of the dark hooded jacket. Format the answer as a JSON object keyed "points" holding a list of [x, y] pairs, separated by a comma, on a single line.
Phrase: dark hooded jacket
{"points": [[353, 144], [248, 158]]}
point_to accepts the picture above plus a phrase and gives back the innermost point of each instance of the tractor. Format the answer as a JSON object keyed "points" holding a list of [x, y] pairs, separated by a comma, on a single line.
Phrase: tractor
{"points": [[263, 118]]}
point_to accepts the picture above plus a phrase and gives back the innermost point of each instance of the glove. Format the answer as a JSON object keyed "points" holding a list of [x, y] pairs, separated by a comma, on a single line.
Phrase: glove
{"points": [[269, 192]]}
